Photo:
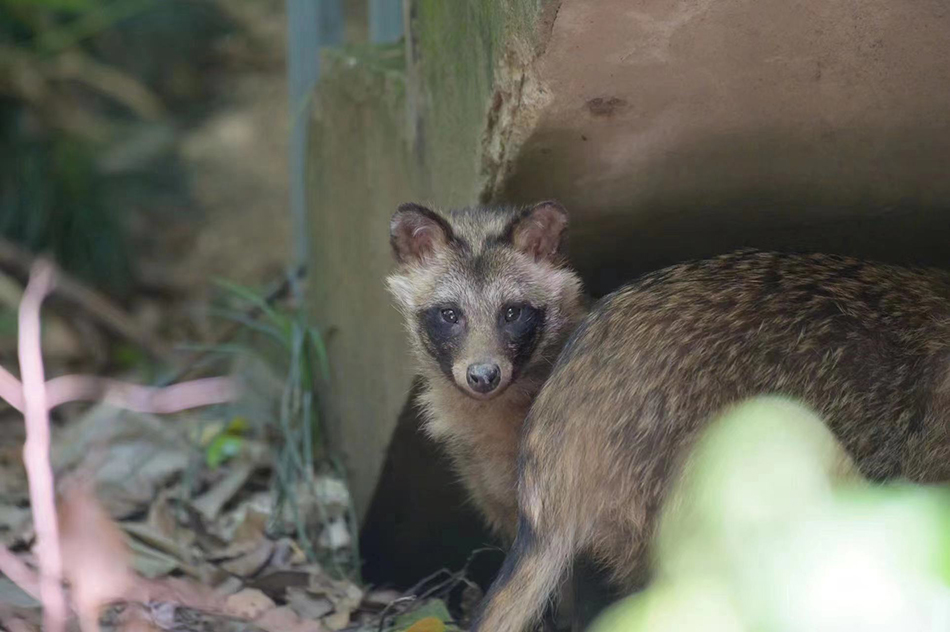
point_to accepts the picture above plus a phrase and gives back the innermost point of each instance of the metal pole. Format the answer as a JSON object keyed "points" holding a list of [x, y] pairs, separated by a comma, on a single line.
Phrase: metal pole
{"points": [[385, 21]]}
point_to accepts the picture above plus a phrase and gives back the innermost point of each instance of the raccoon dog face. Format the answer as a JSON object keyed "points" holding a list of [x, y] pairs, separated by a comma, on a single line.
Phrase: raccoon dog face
{"points": [[486, 293]]}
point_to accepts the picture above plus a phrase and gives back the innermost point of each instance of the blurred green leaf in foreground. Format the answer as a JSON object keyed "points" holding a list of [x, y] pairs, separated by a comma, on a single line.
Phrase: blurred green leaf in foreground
{"points": [[771, 529]]}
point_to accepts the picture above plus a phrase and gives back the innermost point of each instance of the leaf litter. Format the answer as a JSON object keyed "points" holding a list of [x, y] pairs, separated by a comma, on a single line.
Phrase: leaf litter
{"points": [[153, 538], [202, 520]]}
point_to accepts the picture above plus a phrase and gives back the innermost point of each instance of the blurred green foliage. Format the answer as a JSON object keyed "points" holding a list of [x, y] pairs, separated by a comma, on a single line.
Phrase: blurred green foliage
{"points": [[51, 194], [294, 349], [771, 529], [51, 201], [78, 79]]}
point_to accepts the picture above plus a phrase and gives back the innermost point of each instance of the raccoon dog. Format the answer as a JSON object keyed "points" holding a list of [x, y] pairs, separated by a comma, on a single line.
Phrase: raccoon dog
{"points": [[488, 301], [866, 345]]}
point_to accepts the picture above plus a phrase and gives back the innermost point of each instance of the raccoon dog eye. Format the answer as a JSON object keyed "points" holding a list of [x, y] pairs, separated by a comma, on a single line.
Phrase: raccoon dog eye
{"points": [[512, 313], [449, 315]]}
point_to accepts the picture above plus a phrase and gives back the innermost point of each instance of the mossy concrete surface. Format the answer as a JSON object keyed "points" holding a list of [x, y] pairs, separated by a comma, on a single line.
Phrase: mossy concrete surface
{"points": [[360, 169], [382, 134]]}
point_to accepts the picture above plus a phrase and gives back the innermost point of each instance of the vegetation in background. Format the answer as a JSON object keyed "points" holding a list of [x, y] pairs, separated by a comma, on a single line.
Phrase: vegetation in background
{"points": [[50, 192], [771, 529], [295, 351], [51, 201], [77, 77]]}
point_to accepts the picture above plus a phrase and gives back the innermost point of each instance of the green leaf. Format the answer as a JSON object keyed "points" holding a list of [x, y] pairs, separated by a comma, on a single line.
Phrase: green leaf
{"points": [[54, 5], [758, 466], [433, 608], [222, 448], [771, 528], [693, 605], [250, 323], [316, 341], [8, 322], [128, 356], [250, 296], [228, 348]]}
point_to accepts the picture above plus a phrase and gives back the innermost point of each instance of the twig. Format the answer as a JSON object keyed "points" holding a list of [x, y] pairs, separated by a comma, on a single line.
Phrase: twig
{"points": [[36, 450], [98, 306], [453, 579], [76, 66], [12, 623], [19, 573], [141, 399], [392, 605], [11, 391], [413, 597], [34, 397], [277, 292]]}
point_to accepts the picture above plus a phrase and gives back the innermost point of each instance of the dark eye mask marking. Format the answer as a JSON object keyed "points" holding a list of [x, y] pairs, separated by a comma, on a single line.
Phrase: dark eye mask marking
{"points": [[442, 338], [519, 336]]}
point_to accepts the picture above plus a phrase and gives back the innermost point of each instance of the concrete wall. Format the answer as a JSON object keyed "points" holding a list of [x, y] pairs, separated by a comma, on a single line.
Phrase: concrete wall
{"points": [[669, 128], [393, 124], [359, 167], [776, 123]]}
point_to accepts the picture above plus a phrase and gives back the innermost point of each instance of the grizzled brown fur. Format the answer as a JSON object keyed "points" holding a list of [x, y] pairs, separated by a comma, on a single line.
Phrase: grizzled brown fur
{"points": [[488, 301], [866, 345]]}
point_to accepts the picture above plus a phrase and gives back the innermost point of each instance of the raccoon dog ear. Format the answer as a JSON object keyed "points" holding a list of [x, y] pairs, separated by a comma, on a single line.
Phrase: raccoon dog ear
{"points": [[415, 232], [539, 231]]}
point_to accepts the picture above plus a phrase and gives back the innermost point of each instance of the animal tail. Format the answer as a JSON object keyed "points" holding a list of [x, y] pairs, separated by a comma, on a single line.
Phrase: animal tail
{"points": [[527, 580]]}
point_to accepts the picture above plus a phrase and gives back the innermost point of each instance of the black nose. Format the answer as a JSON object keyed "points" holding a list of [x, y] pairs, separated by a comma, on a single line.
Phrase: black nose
{"points": [[483, 378]]}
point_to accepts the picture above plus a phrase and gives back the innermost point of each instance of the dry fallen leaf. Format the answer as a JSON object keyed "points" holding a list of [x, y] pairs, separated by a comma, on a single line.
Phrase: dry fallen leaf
{"points": [[380, 598], [182, 592], [210, 503], [162, 520], [244, 536], [13, 621], [308, 606], [252, 525], [278, 619], [276, 582], [337, 620], [335, 535], [163, 614], [14, 487], [154, 553], [287, 553], [284, 619], [250, 563], [249, 603], [429, 624], [130, 455], [345, 595], [96, 561], [246, 522], [229, 586], [14, 522], [137, 625], [135, 620]]}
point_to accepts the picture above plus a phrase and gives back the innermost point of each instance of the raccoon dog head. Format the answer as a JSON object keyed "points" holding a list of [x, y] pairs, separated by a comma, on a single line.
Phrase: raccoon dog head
{"points": [[486, 292]]}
